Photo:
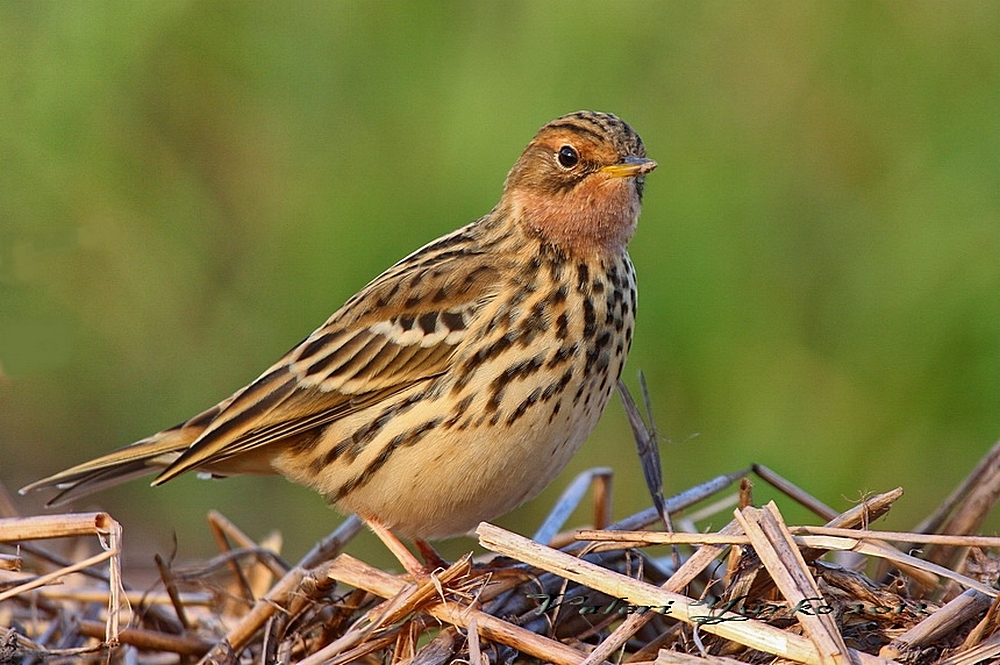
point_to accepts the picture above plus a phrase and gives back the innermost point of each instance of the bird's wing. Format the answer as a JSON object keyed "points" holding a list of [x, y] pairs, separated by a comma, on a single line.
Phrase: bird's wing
{"points": [[400, 330]]}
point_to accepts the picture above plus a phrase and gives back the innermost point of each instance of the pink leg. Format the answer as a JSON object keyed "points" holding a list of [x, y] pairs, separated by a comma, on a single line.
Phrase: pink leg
{"points": [[398, 549], [431, 556]]}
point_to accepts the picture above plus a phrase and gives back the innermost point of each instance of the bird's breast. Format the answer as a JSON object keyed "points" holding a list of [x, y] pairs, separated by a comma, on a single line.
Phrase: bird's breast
{"points": [[526, 388]]}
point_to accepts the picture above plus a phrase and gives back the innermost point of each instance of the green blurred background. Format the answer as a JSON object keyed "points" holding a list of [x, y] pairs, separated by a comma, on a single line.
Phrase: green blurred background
{"points": [[189, 188]]}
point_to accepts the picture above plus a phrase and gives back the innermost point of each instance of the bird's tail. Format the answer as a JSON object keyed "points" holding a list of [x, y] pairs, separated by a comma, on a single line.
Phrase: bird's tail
{"points": [[150, 455]]}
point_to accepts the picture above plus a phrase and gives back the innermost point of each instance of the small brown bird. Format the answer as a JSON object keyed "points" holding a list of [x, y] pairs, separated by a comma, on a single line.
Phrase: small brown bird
{"points": [[458, 383]]}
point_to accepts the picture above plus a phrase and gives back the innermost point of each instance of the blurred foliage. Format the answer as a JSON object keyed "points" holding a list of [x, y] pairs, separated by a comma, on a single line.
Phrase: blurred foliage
{"points": [[189, 188]]}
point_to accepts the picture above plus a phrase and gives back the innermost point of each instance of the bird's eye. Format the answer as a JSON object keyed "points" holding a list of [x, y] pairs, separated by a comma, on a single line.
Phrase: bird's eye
{"points": [[567, 157]]}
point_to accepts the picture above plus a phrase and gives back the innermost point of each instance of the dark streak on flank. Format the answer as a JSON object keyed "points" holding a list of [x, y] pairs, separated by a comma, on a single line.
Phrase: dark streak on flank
{"points": [[563, 354], [517, 371], [458, 411], [528, 402], [481, 356], [350, 447], [555, 410], [557, 387], [399, 441], [520, 370]]}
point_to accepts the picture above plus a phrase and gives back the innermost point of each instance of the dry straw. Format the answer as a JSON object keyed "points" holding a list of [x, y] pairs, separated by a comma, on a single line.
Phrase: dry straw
{"points": [[755, 590]]}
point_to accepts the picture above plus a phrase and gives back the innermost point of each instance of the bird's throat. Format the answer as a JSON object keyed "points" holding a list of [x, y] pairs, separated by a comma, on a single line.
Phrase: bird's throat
{"points": [[583, 221]]}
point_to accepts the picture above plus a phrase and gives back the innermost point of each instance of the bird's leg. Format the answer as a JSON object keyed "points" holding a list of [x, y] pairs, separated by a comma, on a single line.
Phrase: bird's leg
{"points": [[398, 549], [431, 556]]}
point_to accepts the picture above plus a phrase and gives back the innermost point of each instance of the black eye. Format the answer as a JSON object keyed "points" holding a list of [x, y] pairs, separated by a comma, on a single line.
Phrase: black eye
{"points": [[567, 157]]}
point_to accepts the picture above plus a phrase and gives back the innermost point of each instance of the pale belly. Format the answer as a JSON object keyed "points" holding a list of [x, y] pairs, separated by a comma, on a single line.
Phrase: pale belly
{"points": [[448, 481]]}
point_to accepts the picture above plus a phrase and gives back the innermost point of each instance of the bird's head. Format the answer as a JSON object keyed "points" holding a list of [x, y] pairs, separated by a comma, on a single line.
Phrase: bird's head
{"points": [[579, 183]]}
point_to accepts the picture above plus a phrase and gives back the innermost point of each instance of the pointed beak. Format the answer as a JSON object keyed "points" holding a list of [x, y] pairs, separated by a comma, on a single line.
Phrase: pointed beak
{"points": [[630, 167]]}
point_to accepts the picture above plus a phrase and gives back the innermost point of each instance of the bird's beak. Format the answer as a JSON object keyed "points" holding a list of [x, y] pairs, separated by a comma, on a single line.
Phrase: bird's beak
{"points": [[631, 167]]}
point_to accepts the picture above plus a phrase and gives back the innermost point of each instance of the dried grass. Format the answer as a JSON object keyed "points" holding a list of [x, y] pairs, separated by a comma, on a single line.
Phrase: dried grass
{"points": [[754, 591]]}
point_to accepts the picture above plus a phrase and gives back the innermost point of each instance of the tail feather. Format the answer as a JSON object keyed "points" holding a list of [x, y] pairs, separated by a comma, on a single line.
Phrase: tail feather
{"points": [[149, 455], [91, 482]]}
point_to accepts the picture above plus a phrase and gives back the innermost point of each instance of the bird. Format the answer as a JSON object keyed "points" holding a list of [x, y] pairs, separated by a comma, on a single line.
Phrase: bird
{"points": [[457, 384]]}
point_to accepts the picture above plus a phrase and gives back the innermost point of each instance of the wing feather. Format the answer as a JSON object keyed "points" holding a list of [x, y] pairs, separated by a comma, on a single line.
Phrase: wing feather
{"points": [[383, 341], [402, 329]]}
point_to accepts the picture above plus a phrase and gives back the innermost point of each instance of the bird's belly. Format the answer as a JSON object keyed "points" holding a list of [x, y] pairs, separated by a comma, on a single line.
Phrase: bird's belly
{"points": [[438, 481], [453, 482]]}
